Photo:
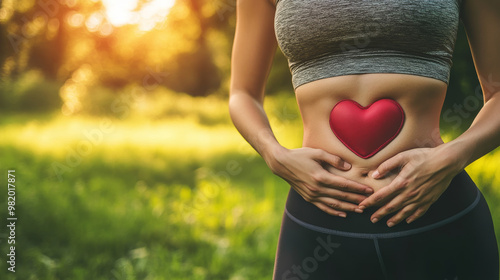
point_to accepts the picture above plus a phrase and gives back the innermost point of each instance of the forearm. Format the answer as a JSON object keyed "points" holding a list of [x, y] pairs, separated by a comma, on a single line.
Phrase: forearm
{"points": [[483, 135], [480, 19], [250, 119]]}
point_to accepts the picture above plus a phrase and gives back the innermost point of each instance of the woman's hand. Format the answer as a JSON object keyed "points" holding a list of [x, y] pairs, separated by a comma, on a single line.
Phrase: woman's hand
{"points": [[304, 170], [423, 175]]}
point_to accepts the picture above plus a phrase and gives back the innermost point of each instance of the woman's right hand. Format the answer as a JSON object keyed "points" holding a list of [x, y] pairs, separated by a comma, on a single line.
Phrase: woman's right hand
{"points": [[304, 170]]}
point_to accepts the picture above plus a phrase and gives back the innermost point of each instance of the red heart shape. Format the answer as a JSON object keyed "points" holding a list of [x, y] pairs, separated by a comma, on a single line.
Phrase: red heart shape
{"points": [[366, 130]]}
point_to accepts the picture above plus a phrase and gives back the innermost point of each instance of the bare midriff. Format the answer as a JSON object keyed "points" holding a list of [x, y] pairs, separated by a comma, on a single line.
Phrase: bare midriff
{"points": [[420, 97]]}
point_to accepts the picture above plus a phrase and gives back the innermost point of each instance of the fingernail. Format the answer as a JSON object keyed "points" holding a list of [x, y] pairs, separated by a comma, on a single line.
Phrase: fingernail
{"points": [[357, 210], [409, 221], [390, 224], [347, 165], [343, 215], [368, 191], [374, 220], [362, 207], [375, 174]]}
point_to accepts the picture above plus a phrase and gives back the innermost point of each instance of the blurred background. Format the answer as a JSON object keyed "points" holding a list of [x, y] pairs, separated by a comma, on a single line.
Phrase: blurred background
{"points": [[113, 114]]}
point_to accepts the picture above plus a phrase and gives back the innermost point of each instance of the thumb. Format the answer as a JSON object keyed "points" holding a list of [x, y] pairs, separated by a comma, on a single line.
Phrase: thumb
{"points": [[392, 163]]}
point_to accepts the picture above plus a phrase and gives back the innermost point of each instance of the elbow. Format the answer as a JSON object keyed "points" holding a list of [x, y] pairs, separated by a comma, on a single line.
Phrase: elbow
{"points": [[243, 95], [241, 100], [235, 102]]}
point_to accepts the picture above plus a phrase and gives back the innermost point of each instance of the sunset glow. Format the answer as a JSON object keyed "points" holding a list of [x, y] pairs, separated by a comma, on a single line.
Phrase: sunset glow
{"points": [[122, 12]]}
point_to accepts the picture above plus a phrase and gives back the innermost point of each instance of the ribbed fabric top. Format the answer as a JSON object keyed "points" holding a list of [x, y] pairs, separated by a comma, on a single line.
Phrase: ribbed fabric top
{"points": [[327, 38]]}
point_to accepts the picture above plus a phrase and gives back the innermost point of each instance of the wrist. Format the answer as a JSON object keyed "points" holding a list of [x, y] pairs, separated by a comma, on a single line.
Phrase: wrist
{"points": [[272, 154], [456, 154]]}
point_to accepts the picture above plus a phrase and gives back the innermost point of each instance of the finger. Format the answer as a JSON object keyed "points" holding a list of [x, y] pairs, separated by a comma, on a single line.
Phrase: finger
{"points": [[344, 196], [333, 160], [391, 207], [326, 206], [407, 211], [322, 191], [338, 204], [398, 203], [395, 187], [418, 213], [306, 195], [392, 163], [330, 210], [343, 184]]}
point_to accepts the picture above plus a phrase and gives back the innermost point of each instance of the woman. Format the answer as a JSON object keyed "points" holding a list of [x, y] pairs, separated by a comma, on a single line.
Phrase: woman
{"points": [[375, 193]]}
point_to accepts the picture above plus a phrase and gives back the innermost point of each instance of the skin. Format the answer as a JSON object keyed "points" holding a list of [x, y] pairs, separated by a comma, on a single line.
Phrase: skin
{"points": [[409, 174]]}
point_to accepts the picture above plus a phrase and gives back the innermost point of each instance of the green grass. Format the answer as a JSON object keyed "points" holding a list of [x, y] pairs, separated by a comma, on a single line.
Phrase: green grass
{"points": [[173, 198], [131, 221]]}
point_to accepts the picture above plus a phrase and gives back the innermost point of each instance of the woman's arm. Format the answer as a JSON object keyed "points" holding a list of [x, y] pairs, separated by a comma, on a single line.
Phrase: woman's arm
{"points": [[426, 173], [253, 52], [481, 21]]}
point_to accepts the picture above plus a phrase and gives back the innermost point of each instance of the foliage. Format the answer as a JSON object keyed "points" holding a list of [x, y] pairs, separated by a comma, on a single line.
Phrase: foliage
{"points": [[60, 37], [30, 93]]}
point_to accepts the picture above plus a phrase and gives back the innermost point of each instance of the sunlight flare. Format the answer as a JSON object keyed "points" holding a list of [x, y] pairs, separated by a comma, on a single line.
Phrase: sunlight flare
{"points": [[122, 12]]}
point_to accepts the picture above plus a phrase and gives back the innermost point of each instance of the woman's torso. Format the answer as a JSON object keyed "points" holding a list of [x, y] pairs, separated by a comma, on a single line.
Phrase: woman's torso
{"points": [[421, 99], [365, 51]]}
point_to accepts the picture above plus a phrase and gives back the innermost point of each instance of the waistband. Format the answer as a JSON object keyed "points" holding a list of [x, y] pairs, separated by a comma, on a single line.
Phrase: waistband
{"points": [[460, 198]]}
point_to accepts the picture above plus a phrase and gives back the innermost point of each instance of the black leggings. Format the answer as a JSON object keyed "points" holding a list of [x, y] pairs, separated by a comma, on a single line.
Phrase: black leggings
{"points": [[454, 240]]}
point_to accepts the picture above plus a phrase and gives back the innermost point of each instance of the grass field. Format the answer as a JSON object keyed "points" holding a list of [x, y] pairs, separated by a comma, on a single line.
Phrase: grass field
{"points": [[180, 196]]}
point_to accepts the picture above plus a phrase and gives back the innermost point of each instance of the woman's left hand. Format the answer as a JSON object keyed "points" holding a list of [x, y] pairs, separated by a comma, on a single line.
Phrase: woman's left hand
{"points": [[424, 174]]}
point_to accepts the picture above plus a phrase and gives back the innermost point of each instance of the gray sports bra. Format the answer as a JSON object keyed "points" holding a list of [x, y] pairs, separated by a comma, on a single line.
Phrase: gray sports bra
{"points": [[327, 38]]}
